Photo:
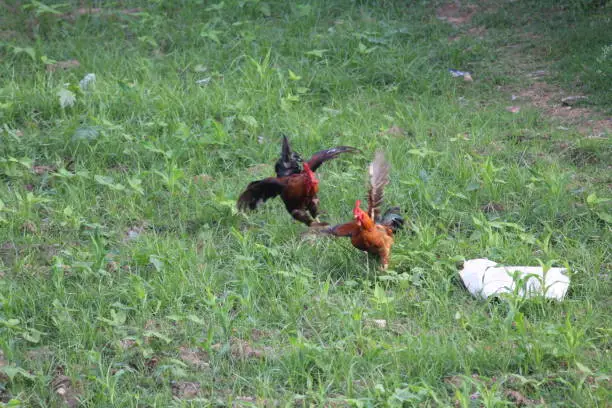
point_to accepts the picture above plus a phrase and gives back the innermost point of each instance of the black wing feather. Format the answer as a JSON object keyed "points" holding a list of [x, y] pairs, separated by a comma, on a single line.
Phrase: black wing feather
{"points": [[258, 192]]}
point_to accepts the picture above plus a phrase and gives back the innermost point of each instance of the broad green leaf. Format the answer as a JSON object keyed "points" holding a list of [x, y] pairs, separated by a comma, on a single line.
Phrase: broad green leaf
{"points": [[41, 8], [216, 7], [24, 161], [293, 76], [86, 133], [10, 322], [303, 10], [604, 216], [583, 368], [27, 50], [156, 262], [380, 296], [13, 371], [47, 61], [472, 186], [591, 199], [104, 180], [158, 335], [136, 185], [212, 35], [265, 9], [195, 319], [117, 318], [316, 53], [109, 182], [249, 120], [32, 335]]}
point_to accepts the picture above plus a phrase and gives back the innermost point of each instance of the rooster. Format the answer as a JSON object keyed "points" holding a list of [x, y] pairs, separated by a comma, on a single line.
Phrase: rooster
{"points": [[369, 231], [295, 182]]}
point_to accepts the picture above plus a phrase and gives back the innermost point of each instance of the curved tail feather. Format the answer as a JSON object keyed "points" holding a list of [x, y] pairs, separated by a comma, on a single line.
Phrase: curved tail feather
{"points": [[379, 178], [393, 219], [322, 156]]}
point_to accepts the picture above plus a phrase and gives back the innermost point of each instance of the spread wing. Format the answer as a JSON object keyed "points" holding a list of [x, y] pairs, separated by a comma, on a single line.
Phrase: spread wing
{"points": [[289, 162], [321, 157], [344, 230], [379, 178], [259, 191]]}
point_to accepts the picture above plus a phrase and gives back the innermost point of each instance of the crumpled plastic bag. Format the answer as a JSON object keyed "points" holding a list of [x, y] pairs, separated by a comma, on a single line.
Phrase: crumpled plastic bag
{"points": [[483, 278]]}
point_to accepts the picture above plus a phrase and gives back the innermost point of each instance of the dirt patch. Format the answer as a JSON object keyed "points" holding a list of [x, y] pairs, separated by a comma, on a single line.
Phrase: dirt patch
{"points": [[596, 128], [185, 389], [40, 354], [519, 399], [63, 65], [41, 170], [134, 231], [553, 101], [203, 179], [479, 31], [394, 131], [8, 34], [126, 344], [456, 14], [3, 363], [242, 350], [259, 334], [69, 391], [492, 207], [549, 99], [195, 357]]}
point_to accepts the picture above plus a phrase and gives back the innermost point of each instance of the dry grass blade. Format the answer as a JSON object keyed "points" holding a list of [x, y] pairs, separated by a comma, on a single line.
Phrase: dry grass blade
{"points": [[379, 178]]}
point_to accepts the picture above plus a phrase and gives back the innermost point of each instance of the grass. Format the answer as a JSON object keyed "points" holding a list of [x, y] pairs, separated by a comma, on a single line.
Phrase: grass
{"points": [[129, 279]]}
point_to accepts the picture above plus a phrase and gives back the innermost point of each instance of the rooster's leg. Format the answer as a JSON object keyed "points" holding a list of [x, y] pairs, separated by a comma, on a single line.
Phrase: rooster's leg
{"points": [[314, 212], [312, 207], [302, 216], [384, 258]]}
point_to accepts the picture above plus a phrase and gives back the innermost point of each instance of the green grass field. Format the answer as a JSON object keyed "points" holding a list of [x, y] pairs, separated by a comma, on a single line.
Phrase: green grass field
{"points": [[129, 279]]}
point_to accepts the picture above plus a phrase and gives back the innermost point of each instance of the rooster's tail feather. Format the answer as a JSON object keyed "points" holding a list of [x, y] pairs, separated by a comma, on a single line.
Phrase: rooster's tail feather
{"points": [[393, 219]]}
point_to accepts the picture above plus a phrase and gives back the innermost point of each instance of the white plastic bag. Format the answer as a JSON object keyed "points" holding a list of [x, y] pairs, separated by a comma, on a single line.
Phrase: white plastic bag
{"points": [[483, 278]]}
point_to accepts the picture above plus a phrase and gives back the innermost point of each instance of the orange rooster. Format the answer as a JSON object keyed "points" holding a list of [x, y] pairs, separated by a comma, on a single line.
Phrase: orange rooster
{"points": [[369, 231], [297, 188]]}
